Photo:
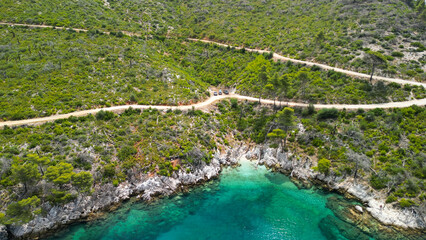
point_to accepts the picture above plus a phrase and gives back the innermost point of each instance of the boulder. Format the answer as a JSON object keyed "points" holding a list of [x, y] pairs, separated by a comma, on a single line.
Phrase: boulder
{"points": [[359, 208], [3, 232]]}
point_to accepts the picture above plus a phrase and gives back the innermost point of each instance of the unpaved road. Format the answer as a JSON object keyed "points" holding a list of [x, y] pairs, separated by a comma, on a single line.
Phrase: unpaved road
{"points": [[208, 102], [211, 100], [278, 57], [62, 28]]}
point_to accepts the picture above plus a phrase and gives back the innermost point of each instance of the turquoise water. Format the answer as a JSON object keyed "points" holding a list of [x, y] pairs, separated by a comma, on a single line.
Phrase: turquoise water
{"points": [[246, 203]]}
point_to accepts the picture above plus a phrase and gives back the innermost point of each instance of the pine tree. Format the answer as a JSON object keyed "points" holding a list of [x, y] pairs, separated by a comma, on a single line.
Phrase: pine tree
{"points": [[25, 173], [286, 121], [83, 181]]}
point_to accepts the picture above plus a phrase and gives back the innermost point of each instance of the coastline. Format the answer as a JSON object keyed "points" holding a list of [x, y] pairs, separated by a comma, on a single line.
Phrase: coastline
{"points": [[372, 200], [106, 197]]}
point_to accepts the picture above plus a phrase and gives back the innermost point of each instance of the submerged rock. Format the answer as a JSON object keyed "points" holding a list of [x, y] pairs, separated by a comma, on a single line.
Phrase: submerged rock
{"points": [[334, 228], [375, 201], [364, 222]]}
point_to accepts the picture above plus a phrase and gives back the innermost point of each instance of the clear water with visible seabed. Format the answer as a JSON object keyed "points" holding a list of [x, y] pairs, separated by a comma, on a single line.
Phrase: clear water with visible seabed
{"points": [[247, 202]]}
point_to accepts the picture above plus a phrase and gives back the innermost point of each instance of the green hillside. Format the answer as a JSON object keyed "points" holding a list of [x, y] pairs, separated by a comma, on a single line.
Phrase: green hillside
{"points": [[337, 32], [47, 71]]}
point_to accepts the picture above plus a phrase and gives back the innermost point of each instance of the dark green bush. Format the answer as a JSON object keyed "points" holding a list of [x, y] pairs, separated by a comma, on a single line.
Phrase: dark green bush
{"points": [[327, 113], [397, 54], [391, 198], [378, 182], [126, 152], [104, 115]]}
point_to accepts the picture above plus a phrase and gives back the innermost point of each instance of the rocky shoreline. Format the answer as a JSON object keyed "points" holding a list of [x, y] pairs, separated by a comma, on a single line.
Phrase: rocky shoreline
{"points": [[411, 223], [106, 197]]}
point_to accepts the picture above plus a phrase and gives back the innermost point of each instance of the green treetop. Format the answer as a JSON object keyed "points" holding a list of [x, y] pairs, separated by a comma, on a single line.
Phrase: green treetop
{"points": [[83, 181], [22, 211], [286, 121], [324, 166], [25, 173], [42, 162], [60, 174]]}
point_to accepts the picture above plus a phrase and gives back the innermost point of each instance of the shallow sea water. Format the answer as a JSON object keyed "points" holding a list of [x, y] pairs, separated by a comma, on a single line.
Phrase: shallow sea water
{"points": [[247, 202]]}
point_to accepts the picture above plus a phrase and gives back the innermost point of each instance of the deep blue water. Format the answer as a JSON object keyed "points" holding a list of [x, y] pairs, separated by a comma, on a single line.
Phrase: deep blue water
{"points": [[246, 203]]}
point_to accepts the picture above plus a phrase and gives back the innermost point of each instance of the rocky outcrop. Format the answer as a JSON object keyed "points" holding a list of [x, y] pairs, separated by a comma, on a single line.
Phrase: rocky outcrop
{"points": [[378, 208], [374, 201], [105, 196], [355, 223], [3, 232], [148, 187]]}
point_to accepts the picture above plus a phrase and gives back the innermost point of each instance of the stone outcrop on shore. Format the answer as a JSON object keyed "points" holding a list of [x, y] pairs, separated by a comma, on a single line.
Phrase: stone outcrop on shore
{"points": [[106, 196], [3, 232], [373, 200]]}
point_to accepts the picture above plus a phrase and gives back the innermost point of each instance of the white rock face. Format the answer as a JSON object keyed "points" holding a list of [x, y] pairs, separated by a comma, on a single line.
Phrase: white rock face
{"points": [[383, 212], [302, 169], [107, 195], [359, 209], [3, 232]]}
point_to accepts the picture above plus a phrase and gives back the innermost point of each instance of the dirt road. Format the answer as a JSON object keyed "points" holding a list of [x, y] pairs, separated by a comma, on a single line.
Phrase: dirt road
{"points": [[211, 100], [323, 66], [275, 55], [207, 103]]}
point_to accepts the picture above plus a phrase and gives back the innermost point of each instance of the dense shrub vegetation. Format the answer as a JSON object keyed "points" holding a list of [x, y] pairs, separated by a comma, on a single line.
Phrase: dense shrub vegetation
{"points": [[385, 148], [45, 71], [337, 32], [49, 71], [259, 76], [57, 161]]}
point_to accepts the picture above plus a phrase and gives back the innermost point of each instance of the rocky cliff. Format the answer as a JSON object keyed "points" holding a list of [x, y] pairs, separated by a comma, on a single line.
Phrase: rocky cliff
{"points": [[374, 201], [148, 187], [106, 196]]}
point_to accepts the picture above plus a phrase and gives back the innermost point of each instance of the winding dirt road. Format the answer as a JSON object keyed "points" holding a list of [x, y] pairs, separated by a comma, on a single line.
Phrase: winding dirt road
{"points": [[213, 99], [131, 34], [207, 103], [278, 57]]}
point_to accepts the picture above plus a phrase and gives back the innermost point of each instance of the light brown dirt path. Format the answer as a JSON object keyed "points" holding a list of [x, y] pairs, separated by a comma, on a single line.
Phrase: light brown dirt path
{"points": [[323, 66], [275, 55], [208, 102], [63, 28], [211, 100]]}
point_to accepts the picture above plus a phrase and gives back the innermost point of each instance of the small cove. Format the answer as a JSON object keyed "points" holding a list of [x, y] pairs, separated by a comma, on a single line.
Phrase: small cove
{"points": [[247, 202]]}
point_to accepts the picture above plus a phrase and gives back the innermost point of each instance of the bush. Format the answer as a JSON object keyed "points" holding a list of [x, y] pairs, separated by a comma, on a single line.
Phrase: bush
{"points": [[22, 211], [126, 152], [131, 111], [115, 183], [420, 46], [378, 182], [324, 166], [234, 103], [397, 54], [61, 197], [391, 198], [404, 203], [104, 115], [109, 171], [327, 113]]}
